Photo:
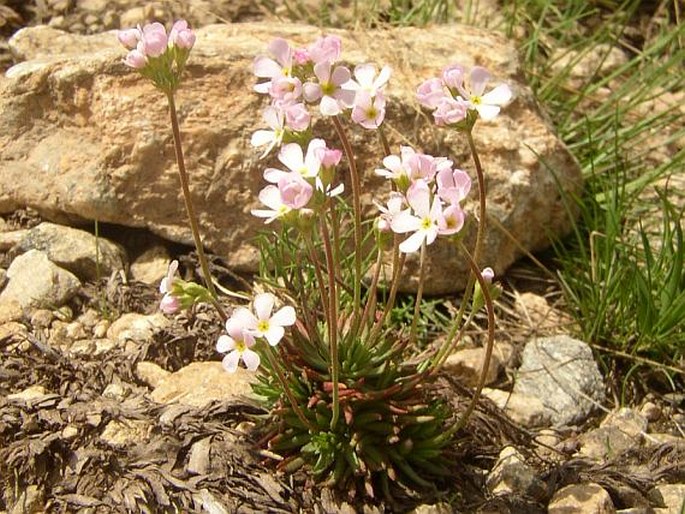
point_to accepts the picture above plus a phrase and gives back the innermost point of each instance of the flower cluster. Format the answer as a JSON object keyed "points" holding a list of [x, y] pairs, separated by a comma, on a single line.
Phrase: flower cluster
{"points": [[156, 54], [244, 327], [312, 75], [453, 96], [427, 198]]}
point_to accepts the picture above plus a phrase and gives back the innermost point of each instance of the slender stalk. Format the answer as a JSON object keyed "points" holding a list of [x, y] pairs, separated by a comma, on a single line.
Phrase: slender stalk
{"points": [[397, 265], [273, 361], [480, 231], [356, 206], [371, 301], [419, 294], [190, 209], [332, 324], [482, 215], [319, 278], [475, 270], [384, 140]]}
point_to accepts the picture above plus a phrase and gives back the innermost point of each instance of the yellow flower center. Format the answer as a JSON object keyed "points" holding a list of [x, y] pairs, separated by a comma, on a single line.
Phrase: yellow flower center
{"points": [[426, 223], [240, 346], [476, 100], [263, 326]]}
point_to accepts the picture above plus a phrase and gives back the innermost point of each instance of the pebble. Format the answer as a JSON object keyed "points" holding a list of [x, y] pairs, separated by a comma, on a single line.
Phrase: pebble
{"points": [[589, 498], [650, 411]]}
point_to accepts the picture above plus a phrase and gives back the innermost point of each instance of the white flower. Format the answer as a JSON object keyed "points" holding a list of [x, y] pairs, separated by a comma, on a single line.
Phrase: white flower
{"points": [[237, 344], [264, 324]]}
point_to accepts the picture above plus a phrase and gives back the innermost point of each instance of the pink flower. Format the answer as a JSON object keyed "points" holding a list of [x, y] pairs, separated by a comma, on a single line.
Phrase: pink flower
{"points": [[297, 117], [262, 323], [329, 157], [154, 40], [453, 186], [453, 77], [368, 111], [451, 221], [170, 302], [271, 197], [295, 191], [333, 98], [181, 35], [130, 37], [237, 343], [487, 104], [408, 166], [430, 93], [286, 89], [281, 66], [424, 222], [326, 48], [135, 59], [450, 111], [488, 275]]}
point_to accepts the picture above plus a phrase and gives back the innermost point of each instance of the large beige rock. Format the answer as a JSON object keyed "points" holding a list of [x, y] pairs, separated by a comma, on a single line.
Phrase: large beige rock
{"points": [[93, 137], [200, 383]]}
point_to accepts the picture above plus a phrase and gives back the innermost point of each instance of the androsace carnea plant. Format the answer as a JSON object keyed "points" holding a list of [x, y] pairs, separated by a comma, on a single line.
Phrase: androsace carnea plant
{"points": [[344, 403]]}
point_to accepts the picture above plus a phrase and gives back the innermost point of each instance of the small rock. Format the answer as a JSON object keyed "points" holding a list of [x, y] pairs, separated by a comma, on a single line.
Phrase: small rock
{"points": [[511, 475], [10, 239], [119, 433], [29, 500], [562, 373], [150, 373], [93, 5], [110, 20], [151, 266], [42, 318], [201, 383], [467, 365], [137, 15], [100, 329], [659, 438], [137, 328], [82, 347], [75, 250], [602, 59], [198, 460], [10, 311], [89, 318], [116, 391], [37, 282], [538, 312], [69, 432], [58, 22], [585, 498], [525, 410], [75, 330], [650, 411], [13, 329], [619, 432], [102, 346], [28, 394], [438, 508], [671, 496], [60, 5]]}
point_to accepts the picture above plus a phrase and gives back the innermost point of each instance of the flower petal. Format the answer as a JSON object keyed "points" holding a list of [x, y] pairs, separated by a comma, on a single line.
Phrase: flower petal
{"points": [[230, 362], [274, 334], [284, 317], [487, 112], [291, 156], [501, 95], [262, 137], [251, 359], [479, 79], [225, 344], [413, 242], [263, 305]]}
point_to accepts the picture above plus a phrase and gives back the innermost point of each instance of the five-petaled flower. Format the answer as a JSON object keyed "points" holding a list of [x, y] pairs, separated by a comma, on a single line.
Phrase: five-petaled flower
{"points": [[170, 302], [237, 343]]}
